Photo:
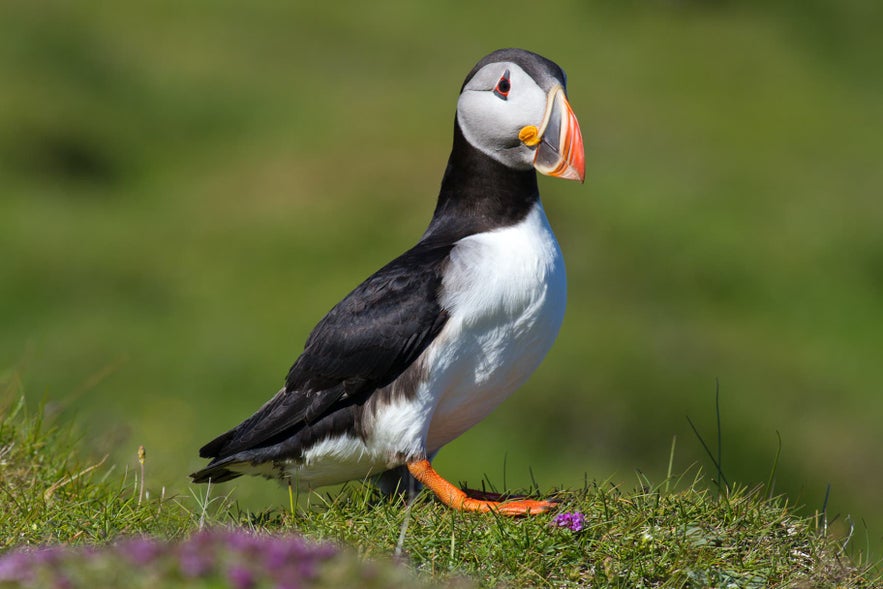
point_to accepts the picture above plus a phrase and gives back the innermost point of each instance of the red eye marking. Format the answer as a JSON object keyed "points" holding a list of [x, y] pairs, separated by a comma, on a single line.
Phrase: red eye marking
{"points": [[503, 86]]}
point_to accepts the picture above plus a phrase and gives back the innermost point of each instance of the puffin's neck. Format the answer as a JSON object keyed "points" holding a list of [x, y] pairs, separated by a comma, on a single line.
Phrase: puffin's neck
{"points": [[479, 194]]}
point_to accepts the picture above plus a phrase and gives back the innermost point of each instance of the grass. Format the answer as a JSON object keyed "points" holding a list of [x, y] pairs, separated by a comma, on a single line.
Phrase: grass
{"points": [[50, 496], [673, 534]]}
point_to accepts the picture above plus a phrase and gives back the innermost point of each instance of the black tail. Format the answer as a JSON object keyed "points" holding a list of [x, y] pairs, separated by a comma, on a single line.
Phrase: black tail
{"points": [[214, 448], [214, 473]]}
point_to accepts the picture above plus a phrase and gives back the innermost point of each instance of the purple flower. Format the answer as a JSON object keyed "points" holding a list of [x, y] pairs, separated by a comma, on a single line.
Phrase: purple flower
{"points": [[48, 555], [244, 560], [194, 560], [240, 577], [16, 566], [574, 521], [141, 551], [277, 554], [244, 542]]}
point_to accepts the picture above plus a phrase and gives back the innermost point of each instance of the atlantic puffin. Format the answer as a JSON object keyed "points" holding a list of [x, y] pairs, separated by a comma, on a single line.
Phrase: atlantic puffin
{"points": [[430, 344]]}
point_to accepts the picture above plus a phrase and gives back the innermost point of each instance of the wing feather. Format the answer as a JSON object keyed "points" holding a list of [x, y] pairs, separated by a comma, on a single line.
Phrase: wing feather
{"points": [[364, 343]]}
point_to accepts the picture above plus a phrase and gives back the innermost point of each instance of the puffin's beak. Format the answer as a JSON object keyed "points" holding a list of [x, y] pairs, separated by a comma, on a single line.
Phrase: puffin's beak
{"points": [[560, 151]]}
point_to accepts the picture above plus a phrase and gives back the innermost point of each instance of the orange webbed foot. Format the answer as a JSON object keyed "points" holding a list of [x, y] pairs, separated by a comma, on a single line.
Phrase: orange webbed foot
{"points": [[460, 500]]}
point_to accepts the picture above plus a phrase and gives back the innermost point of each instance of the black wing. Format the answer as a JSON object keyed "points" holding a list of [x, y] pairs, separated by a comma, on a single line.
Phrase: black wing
{"points": [[364, 343]]}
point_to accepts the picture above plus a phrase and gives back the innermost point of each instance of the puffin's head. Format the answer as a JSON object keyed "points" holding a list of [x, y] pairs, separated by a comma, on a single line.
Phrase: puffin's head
{"points": [[513, 107]]}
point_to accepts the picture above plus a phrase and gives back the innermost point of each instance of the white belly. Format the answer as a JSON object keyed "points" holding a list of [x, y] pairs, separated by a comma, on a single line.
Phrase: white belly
{"points": [[505, 293]]}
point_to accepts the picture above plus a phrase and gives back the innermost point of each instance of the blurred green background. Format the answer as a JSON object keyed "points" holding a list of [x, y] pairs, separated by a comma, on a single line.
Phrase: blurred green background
{"points": [[186, 188]]}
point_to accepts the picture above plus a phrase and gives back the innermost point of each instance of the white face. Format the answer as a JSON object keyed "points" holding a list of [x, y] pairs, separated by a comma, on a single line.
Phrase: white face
{"points": [[491, 118]]}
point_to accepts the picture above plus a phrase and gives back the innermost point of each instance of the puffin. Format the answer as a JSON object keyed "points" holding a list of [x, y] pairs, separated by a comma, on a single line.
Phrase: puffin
{"points": [[427, 346]]}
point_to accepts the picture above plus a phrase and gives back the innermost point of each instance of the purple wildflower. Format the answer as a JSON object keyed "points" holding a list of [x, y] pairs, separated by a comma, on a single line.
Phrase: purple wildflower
{"points": [[277, 554], [195, 559], [244, 560], [240, 577], [243, 542], [574, 521], [48, 555], [16, 566], [141, 551], [306, 569]]}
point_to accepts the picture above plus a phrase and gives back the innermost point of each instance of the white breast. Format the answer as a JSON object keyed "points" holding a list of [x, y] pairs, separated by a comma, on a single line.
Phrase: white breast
{"points": [[505, 291]]}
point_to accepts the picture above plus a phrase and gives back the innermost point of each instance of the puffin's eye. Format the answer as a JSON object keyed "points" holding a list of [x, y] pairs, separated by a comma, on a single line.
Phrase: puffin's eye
{"points": [[503, 86]]}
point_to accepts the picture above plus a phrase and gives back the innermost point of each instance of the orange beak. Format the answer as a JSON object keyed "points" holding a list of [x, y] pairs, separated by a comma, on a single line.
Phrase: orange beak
{"points": [[560, 152]]}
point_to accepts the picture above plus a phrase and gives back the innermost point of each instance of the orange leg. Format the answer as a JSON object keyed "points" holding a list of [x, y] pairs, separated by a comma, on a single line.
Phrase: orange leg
{"points": [[453, 497]]}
